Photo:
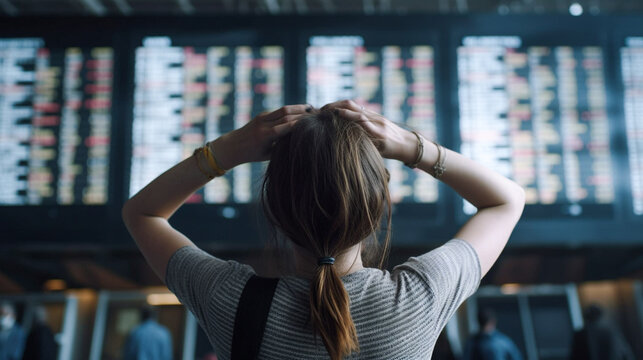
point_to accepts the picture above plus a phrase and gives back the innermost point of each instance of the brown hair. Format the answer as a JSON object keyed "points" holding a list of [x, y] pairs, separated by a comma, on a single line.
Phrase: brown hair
{"points": [[326, 189]]}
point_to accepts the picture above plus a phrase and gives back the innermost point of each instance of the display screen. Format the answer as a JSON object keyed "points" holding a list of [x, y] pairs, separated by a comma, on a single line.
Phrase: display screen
{"points": [[396, 81], [538, 115], [55, 121], [187, 95], [632, 73]]}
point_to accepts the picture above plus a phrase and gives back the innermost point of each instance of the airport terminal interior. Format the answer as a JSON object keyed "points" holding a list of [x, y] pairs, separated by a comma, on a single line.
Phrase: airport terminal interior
{"points": [[99, 97]]}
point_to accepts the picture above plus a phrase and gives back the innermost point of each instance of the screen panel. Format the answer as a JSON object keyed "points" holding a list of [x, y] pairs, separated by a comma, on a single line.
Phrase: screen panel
{"points": [[632, 77], [187, 93], [538, 114], [55, 123], [394, 79]]}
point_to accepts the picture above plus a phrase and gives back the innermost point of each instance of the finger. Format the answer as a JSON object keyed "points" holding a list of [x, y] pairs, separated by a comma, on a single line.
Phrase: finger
{"points": [[285, 119], [285, 111], [344, 104], [369, 127], [283, 129], [351, 115]]}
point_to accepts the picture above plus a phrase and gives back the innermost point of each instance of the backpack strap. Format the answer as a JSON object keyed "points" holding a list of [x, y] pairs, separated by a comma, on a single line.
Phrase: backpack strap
{"points": [[250, 319]]}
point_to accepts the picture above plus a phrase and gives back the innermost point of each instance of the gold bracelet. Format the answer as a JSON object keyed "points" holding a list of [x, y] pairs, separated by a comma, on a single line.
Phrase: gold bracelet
{"points": [[438, 167], [420, 151], [196, 153], [214, 165]]}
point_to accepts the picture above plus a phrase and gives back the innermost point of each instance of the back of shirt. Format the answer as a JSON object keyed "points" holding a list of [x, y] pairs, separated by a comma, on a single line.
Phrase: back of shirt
{"points": [[398, 314]]}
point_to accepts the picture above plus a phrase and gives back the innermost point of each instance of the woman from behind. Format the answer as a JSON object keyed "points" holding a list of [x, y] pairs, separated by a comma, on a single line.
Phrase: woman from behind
{"points": [[325, 190]]}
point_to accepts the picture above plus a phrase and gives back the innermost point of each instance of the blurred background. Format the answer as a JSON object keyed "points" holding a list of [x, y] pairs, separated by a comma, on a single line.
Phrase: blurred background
{"points": [[98, 97]]}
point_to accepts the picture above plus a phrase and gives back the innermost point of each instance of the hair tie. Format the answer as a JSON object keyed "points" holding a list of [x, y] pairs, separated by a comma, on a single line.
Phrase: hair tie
{"points": [[327, 260]]}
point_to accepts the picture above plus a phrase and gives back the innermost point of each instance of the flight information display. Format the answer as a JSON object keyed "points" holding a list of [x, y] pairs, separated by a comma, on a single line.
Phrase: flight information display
{"points": [[396, 81], [538, 114], [632, 73], [186, 95], [55, 121]]}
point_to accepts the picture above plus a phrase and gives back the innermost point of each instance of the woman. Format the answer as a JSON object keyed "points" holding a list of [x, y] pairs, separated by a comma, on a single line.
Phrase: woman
{"points": [[325, 190]]}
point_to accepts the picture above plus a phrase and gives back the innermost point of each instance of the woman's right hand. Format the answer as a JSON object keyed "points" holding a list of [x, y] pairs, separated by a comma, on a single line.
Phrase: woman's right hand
{"points": [[392, 141]]}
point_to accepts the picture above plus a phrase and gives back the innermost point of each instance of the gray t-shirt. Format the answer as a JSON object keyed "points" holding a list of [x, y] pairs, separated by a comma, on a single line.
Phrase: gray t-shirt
{"points": [[398, 314]]}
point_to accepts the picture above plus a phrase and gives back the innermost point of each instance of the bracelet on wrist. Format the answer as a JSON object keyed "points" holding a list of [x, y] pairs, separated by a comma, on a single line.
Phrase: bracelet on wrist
{"points": [[420, 151], [213, 165], [439, 168]]}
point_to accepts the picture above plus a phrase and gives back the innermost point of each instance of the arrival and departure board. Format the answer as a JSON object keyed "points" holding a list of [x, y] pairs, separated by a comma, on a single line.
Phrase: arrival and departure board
{"points": [[538, 114], [396, 81], [187, 95], [632, 73], [55, 120]]}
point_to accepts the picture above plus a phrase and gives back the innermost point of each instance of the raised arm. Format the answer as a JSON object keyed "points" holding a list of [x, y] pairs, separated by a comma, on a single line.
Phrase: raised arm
{"points": [[499, 200], [146, 214]]}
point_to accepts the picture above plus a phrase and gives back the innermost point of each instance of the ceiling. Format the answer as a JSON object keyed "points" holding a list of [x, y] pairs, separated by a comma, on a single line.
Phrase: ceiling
{"points": [[369, 7]]}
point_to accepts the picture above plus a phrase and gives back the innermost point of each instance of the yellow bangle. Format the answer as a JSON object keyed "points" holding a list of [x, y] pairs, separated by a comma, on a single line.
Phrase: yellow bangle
{"points": [[196, 153], [213, 162]]}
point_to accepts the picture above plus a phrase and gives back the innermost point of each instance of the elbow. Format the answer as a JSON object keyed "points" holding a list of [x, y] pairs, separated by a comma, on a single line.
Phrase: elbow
{"points": [[126, 213], [518, 199]]}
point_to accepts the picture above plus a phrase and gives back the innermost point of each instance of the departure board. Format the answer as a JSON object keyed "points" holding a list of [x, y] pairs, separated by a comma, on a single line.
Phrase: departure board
{"points": [[632, 73], [538, 114], [55, 120], [396, 81], [187, 95]]}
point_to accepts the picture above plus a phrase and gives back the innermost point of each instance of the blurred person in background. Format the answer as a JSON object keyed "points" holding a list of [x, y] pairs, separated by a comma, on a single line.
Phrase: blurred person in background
{"points": [[12, 336], [41, 344], [599, 339], [149, 340], [489, 343]]}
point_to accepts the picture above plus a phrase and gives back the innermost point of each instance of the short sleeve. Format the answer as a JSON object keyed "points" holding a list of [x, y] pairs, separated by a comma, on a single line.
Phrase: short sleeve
{"points": [[195, 277], [451, 274]]}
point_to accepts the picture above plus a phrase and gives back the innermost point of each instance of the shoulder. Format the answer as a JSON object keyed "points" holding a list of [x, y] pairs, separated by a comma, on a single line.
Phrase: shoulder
{"points": [[503, 338], [190, 264], [455, 263], [163, 330]]}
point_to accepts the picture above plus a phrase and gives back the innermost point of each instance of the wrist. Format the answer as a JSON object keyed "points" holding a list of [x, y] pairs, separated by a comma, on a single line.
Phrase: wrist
{"points": [[408, 148], [224, 154]]}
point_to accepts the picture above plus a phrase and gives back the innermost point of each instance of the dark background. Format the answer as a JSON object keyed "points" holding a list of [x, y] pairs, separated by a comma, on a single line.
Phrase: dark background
{"points": [[40, 242]]}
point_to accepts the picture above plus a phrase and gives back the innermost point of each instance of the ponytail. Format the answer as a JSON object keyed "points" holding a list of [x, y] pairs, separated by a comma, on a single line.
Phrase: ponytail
{"points": [[330, 313]]}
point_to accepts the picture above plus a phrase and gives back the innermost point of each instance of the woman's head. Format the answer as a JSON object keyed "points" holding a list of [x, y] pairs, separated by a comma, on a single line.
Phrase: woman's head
{"points": [[326, 189]]}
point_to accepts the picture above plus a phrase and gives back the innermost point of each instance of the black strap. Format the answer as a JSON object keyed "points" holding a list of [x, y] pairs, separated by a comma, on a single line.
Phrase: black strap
{"points": [[250, 320]]}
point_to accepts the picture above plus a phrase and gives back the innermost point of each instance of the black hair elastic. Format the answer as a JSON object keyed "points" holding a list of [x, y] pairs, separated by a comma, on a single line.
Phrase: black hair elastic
{"points": [[327, 260]]}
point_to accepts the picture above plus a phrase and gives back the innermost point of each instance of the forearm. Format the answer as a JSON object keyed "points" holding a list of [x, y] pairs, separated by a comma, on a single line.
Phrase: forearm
{"points": [[499, 201], [165, 194], [476, 183]]}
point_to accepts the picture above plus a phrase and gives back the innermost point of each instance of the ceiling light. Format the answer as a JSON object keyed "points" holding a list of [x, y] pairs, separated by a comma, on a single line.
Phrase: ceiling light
{"points": [[55, 285], [576, 9], [162, 299]]}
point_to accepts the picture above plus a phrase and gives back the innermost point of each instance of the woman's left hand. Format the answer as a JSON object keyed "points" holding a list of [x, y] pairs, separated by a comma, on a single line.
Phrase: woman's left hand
{"points": [[253, 141]]}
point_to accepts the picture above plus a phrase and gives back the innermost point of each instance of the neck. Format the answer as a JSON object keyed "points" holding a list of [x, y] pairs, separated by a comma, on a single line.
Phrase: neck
{"points": [[489, 328], [346, 263]]}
